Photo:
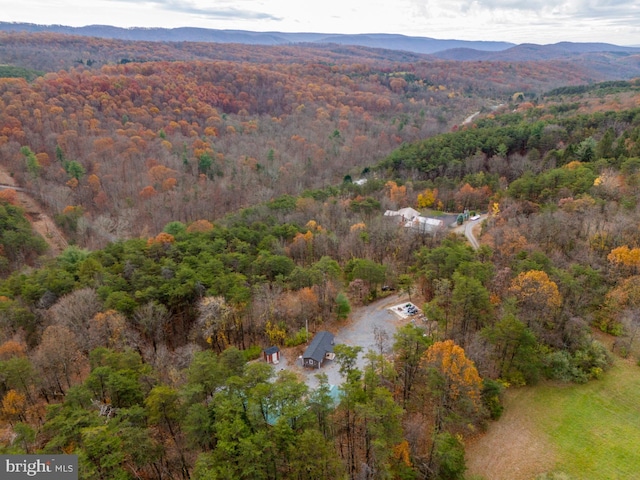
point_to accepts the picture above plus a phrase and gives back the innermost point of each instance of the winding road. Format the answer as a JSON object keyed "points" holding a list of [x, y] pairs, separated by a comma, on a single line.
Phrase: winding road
{"points": [[468, 232], [4, 186]]}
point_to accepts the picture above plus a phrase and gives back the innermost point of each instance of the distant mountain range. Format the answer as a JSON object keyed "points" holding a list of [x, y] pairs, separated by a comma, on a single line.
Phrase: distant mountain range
{"points": [[530, 51], [187, 34], [460, 50]]}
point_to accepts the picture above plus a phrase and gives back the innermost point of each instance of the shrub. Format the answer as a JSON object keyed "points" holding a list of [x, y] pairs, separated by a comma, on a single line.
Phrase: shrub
{"points": [[491, 392], [559, 366], [298, 339], [583, 365], [252, 353]]}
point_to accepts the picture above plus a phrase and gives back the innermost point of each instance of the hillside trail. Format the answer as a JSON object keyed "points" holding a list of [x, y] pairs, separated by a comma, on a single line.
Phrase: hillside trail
{"points": [[42, 223]]}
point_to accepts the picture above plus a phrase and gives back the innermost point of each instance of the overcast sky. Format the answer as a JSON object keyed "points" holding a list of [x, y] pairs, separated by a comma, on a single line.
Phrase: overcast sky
{"points": [[517, 21]]}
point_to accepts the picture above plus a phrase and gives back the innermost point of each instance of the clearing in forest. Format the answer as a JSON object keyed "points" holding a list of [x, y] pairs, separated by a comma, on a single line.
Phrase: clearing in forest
{"points": [[589, 431]]}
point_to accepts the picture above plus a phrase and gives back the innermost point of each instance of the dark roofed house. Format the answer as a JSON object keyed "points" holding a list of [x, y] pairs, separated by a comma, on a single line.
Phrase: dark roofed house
{"points": [[271, 355], [320, 349]]}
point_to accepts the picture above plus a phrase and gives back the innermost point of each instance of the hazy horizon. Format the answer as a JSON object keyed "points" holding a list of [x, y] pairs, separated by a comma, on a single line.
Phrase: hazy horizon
{"points": [[514, 21]]}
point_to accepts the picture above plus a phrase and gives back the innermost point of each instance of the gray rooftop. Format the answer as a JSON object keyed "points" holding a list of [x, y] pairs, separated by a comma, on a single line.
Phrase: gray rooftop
{"points": [[319, 346]]}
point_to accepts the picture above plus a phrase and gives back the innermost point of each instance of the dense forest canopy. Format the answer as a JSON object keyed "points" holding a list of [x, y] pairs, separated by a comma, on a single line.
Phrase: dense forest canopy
{"points": [[217, 207], [194, 130]]}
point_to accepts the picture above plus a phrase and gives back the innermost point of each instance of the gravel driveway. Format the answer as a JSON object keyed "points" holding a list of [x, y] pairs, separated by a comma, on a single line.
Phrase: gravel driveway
{"points": [[359, 330]]}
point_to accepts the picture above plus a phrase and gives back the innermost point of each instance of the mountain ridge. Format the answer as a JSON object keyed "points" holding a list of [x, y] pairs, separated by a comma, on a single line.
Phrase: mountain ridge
{"points": [[425, 45], [532, 51], [444, 49]]}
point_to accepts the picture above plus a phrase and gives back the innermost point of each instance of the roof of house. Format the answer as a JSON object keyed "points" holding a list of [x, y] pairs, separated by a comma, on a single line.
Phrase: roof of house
{"points": [[406, 213], [430, 221], [319, 346], [271, 350], [425, 223]]}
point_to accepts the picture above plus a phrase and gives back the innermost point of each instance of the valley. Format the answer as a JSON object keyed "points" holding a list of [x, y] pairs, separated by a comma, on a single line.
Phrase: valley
{"points": [[180, 207]]}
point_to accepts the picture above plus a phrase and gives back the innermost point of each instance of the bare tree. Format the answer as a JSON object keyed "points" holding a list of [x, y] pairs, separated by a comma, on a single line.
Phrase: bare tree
{"points": [[382, 339], [215, 321], [108, 329], [58, 359], [630, 319], [74, 311], [151, 319]]}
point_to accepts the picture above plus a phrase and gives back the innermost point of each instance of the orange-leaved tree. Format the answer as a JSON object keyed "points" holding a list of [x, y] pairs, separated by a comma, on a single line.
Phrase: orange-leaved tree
{"points": [[621, 312], [457, 382], [397, 194], [538, 299], [200, 226], [456, 389]]}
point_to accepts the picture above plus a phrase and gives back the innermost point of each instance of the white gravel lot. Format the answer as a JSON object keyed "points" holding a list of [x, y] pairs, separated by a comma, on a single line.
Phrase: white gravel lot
{"points": [[383, 316]]}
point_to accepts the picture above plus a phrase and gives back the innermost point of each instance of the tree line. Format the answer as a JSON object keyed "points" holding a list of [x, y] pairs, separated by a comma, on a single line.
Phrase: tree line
{"points": [[157, 330]]}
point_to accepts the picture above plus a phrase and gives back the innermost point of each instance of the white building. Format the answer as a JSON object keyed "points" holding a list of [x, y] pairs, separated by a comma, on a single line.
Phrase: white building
{"points": [[411, 218], [407, 214]]}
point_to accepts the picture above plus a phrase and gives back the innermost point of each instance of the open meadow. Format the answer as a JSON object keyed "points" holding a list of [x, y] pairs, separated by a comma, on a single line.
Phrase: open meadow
{"points": [[578, 432]]}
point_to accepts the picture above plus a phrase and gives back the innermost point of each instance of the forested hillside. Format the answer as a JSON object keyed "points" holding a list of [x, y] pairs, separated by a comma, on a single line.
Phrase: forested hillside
{"points": [[193, 131], [214, 213]]}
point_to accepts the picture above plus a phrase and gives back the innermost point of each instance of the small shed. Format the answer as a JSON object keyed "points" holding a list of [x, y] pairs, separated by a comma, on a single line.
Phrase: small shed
{"points": [[319, 350], [271, 355]]}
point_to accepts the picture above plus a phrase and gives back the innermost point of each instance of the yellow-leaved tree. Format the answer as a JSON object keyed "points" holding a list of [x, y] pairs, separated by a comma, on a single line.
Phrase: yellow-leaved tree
{"points": [[14, 406], [455, 389], [625, 258], [457, 384], [427, 198], [539, 302]]}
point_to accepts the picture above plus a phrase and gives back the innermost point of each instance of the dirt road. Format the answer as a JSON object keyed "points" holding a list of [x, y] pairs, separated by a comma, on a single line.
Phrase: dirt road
{"points": [[40, 221]]}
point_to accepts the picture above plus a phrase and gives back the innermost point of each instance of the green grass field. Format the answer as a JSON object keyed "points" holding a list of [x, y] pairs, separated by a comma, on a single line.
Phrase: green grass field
{"points": [[565, 432], [593, 428]]}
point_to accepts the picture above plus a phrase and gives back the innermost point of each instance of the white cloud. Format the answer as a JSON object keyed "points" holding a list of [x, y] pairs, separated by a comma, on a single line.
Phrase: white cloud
{"points": [[518, 21], [221, 9]]}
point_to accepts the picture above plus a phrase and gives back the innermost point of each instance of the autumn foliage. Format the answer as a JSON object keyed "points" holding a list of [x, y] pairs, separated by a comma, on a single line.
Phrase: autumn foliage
{"points": [[216, 188], [536, 288], [461, 378], [9, 195], [628, 257]]}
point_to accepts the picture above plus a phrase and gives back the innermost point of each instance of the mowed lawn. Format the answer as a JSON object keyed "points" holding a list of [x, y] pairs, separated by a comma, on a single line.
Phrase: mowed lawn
{"points": [[594, 428], [586, 432]]}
